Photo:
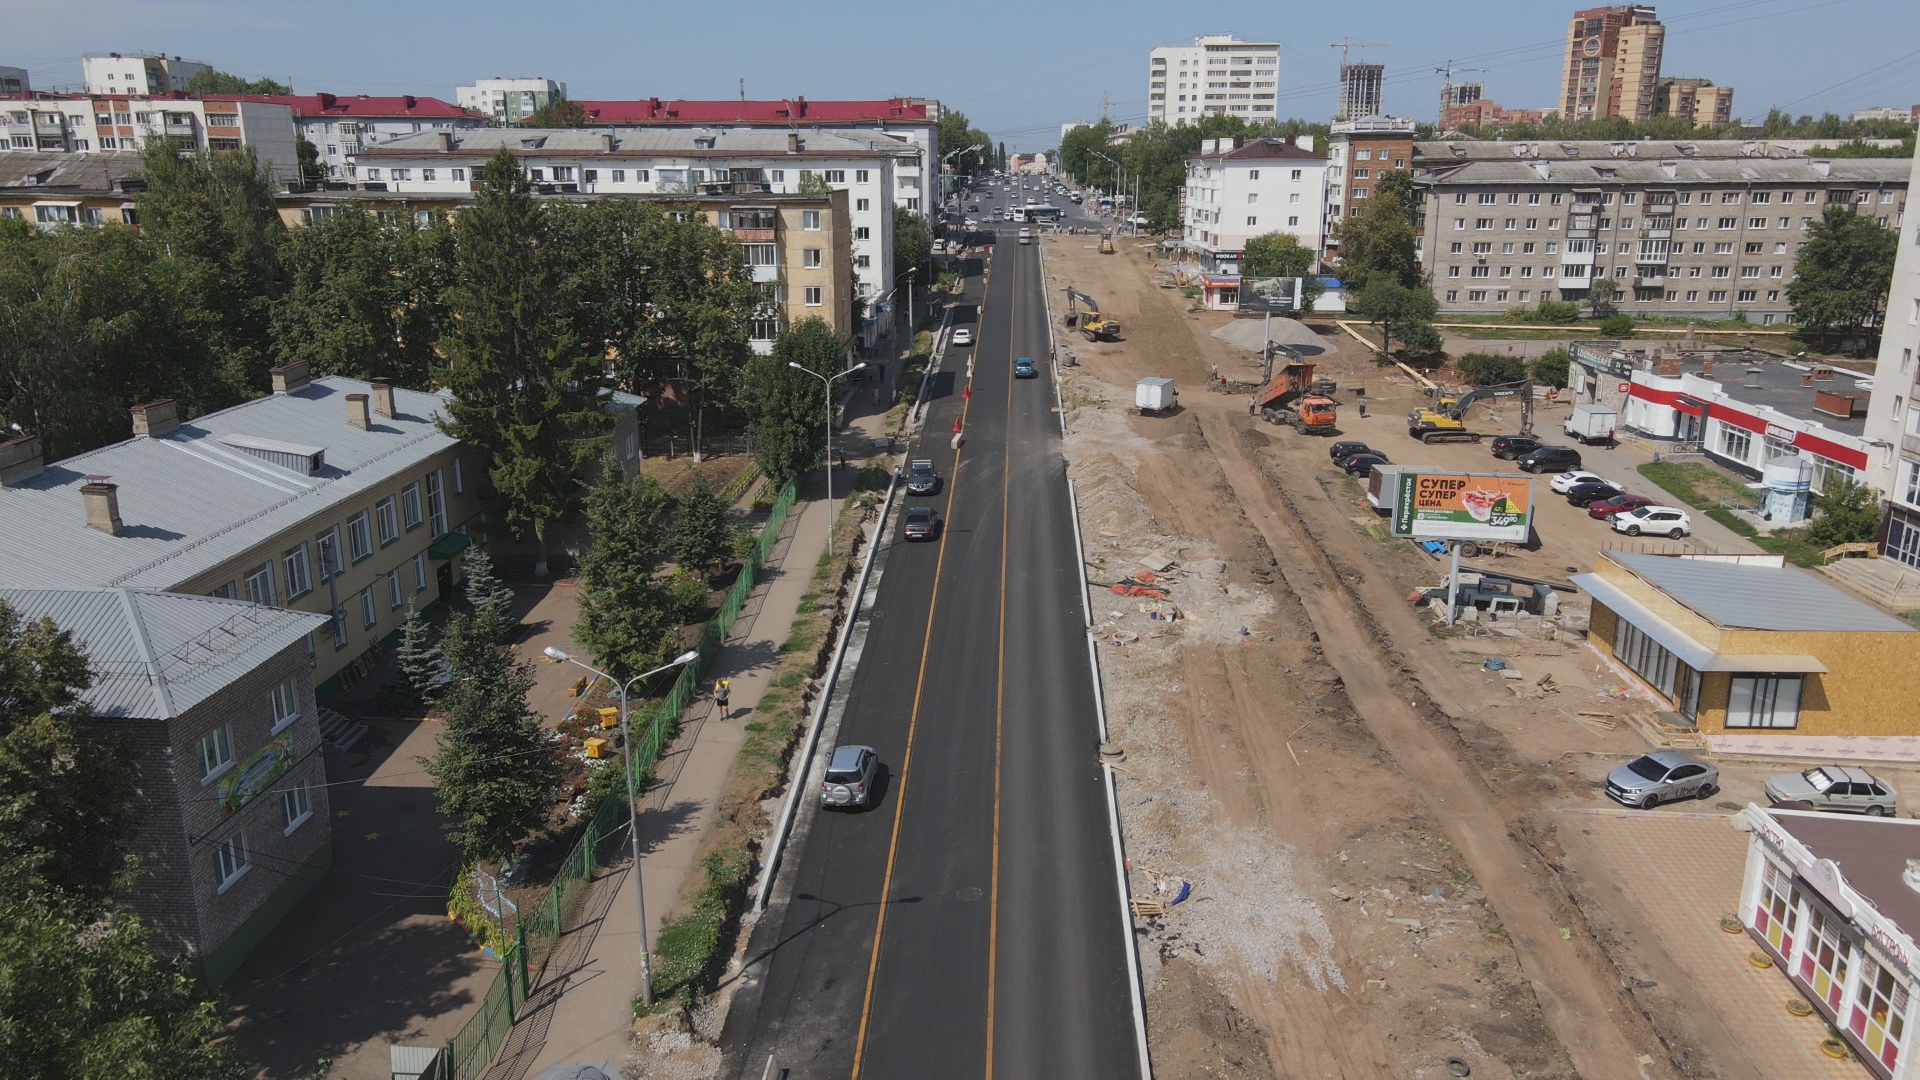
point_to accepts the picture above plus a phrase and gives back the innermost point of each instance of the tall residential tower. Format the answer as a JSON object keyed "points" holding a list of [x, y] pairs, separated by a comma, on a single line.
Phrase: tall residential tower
{"points": [[1613, 64], [1218, 75]]}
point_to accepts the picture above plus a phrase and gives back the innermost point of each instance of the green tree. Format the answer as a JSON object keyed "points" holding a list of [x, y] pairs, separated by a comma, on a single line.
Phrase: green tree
{"points": [[1620, 325], [785, 410], [525, 391], [1849, 514], [204, 83], [1842, 274], [351, 300], [86, 998], [912, 244], [1601, 296], [496, 773], [1078, 149], [1276, 254], [559, 114], [1491, 369], [312, 170], [1401, 313], [626, 620], [1551, 368], [812, 182], [67, 791], [702, 528], [489, 599], [1382, 240], [423, 666]]}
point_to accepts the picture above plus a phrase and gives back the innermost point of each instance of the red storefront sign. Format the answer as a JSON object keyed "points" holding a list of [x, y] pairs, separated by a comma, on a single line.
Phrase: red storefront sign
{"points": [[1801, 440]]}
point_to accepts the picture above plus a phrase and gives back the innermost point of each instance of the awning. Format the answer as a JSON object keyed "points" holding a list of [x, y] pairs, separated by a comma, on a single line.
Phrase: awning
{"points": [[1675, 640], [449, 545]]}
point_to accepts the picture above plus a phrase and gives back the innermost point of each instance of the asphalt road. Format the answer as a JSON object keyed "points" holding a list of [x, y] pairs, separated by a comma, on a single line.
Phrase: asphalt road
{"points": [[967, 923]]}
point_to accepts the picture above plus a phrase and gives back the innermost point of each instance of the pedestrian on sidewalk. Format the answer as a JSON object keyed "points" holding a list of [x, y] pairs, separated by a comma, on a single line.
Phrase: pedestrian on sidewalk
{"points": [[720, 689]]}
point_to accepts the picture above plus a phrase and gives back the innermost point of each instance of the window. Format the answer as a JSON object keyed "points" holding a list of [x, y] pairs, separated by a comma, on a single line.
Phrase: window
{"points": [[810, 258], [1253, 221], [327, 548], [436, 503], [387, 516], [1452, 295], [1757, 223], [1459, 224], [1735, 443], [410, 505], [1295, 175], [369, 613], [813, 295], [224, 590], [1749, 271], [1253, 197], [1460, 197], [1487, 198], [861, 206], [231, 859], [863, 233], [1646, 657], [1453, 271], [860, 176], [293, 565], [619, 176], [359, 536], [284, 703], [420, 572], [810, 220], [459, 174], [1453, 248], [1764, 701], [296, 805], [1716, 296], [1729, 223], [836, 176], [760, 254], [216, 752], [259, 584]]}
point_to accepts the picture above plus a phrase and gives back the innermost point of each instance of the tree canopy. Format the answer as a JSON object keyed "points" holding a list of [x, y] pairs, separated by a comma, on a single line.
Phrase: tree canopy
{"points": [[1277, 255], [1378, 237], [787, 411], [559, 114], [220, 82], [1842, 274], [625, 618], [1402, 313]]}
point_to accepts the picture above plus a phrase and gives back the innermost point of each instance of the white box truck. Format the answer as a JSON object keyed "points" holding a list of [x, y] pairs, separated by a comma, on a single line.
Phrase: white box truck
{"points": [[1155, 395], [1592, 423]]}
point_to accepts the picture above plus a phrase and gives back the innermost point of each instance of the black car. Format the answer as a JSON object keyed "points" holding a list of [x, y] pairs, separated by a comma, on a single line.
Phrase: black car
{"points": [[1588, 494], [1552, 459], [1362, 464], [1512, 446], [919, 524], [1346, 448]]}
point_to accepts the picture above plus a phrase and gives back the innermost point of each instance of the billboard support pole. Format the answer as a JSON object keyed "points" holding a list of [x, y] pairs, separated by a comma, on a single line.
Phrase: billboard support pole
{"points": [[1453, 584], [1266, 352]]}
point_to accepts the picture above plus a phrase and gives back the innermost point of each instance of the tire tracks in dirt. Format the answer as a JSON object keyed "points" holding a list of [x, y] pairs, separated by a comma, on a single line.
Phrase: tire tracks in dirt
{"points": [[1585, 1011]]}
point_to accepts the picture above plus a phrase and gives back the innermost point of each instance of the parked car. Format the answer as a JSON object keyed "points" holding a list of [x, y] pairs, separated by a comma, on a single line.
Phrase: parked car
{"points": [[1662, 776], [1549, 459], [1361, 465], [1512, 446], [1668, 521], [1565, 481], [1023, 369], [919, 523], [970, 223], [1588, 494], [850, 774], [963, 336], [1839, 788], [1619, 504], [1346, 448]]}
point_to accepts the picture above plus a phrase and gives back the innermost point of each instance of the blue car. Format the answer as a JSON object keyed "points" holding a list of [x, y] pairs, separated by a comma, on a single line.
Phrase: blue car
{"points": [[1023, 369]]}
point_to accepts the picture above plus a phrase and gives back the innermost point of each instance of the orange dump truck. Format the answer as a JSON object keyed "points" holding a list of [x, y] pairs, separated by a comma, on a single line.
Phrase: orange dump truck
{"points": [[1294, 397]]}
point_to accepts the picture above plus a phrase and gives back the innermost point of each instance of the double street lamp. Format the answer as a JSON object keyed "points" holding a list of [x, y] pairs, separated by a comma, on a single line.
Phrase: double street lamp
{"points": [[826, 384], [633, 812]]}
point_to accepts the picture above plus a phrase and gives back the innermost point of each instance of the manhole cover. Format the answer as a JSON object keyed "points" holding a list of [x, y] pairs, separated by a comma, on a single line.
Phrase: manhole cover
{"points": [[968, 893]]}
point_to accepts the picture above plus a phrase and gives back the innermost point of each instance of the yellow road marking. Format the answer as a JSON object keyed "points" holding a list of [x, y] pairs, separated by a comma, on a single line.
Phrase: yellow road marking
{"points": [[1000, 677]]}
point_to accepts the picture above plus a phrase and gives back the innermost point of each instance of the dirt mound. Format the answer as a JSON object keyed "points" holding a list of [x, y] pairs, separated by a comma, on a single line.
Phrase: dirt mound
{"points": [[1250, 333]]}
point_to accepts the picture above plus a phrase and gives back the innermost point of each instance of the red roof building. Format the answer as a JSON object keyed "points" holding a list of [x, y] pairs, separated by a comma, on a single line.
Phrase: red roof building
{"points": [[357, 105], [797, 111]]}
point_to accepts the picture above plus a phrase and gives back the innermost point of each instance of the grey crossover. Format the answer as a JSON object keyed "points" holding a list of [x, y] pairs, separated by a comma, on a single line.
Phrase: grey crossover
{"points": [[1662, 776]]}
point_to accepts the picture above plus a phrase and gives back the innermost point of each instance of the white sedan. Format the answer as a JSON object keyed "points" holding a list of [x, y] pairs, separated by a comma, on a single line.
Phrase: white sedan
{"points": [[963, 336], [1565, 481]]}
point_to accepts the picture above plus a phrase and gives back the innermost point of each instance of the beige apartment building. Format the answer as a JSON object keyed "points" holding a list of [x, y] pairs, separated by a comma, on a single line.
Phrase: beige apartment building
{"points": [[1697, 100], [1683, 236], [1612, 63]]}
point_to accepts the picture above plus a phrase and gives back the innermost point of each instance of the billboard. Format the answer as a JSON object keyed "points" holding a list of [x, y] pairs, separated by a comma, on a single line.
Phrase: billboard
{"points": [[1434, 505], [1280, 295]]}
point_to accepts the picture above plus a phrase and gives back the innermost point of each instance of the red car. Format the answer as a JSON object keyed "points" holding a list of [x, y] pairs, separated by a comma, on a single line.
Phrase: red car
{"points": [[1619, 504]]}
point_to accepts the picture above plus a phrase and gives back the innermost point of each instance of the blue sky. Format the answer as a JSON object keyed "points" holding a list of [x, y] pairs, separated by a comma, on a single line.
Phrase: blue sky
{"points": [[1016, 69]]}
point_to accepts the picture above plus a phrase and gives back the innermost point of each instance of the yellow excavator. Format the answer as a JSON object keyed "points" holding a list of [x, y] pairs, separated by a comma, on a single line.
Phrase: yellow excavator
{"points": [[1444, 421], [1090, 322]]}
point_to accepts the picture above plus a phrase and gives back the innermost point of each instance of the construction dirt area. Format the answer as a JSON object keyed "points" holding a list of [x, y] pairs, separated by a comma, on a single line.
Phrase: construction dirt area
{"points": [[1394, 861]]}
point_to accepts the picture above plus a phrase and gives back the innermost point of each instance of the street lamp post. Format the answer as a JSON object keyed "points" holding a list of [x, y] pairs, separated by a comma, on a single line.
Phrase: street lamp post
{"points": [[826, 385], [633, 812]]}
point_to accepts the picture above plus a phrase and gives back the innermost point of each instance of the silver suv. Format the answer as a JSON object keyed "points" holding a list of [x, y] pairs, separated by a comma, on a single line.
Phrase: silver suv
{"points": [[850, 774], [1662, 776], [1837, 787]]}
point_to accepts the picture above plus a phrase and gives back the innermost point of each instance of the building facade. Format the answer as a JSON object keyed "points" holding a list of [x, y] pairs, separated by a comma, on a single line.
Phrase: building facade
{"points": [[1681, 236], [1217, 75], [332, 496], [1612, 63], [1893, 412], [1697, 100], [217, 699], [509, 101], [15, 81], [1358, 153], [1911, 115], [1465, 106], [55, 189], [1362, 90], [1238, 189], [90, 124], [342, 126], [138, 74]]}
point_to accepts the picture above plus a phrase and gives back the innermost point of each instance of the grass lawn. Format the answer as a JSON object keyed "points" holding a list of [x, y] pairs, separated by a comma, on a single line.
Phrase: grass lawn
{"points": [[1702, 487]]}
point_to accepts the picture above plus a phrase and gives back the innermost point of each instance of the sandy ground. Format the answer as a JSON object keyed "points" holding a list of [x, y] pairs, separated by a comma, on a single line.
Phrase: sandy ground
{"points": [[1361, 808]]}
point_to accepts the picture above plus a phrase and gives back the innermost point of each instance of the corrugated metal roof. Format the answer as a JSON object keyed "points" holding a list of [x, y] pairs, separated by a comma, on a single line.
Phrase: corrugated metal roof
{"points": [[74, 173], [155, 655], [1747, 597], [638, 140], [190, 501]]}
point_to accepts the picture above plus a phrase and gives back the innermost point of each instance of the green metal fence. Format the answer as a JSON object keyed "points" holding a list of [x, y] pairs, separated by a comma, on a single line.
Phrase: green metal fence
{"points": [[540, 923]]}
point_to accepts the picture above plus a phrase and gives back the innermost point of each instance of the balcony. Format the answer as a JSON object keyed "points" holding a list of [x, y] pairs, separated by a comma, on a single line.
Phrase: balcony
{"points": [[765, 273], [50, 126], [1650, 258], [753, 236]]}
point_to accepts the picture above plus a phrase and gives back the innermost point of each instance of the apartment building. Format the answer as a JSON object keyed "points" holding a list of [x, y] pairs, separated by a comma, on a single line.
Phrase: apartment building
{"points": [[1362, 90], [664, 161], [1697, 100], [340, 126], [138, 74], [83, 123], [509, 101], [1910, 115], [332, 496], [52, 189], [1612, 63], [1681, 236], [216, 698], [1217, 75], [1238, 189], [1358, 153], [914, 122], [15, 80], [1893, 411]]}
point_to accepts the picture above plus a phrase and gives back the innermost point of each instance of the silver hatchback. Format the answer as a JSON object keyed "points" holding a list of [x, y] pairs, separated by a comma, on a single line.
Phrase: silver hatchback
{"points": [[1662, 776], [850, 774], [1839, 788]]}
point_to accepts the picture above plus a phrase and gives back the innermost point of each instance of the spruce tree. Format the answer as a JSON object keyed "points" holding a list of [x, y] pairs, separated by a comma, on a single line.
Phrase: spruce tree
{"points": [[702, 531], [626, 620], [488, 598], [421, 662]]}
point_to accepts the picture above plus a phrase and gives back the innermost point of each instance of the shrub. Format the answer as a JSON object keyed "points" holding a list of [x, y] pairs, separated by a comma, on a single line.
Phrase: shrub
{"points": [[686, 596], [1487, 369], [1617, 326], [1553, 311], [689, 957], [1551, 368]]}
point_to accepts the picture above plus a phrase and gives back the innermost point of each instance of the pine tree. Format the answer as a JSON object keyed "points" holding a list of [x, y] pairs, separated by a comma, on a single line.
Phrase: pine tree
{"points": [[488, 598], [626, 620], [702, 531], [422, 664], [496, 773]]}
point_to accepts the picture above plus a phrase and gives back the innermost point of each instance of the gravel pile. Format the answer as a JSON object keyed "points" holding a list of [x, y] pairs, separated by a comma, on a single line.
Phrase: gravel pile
{"points": [[1250, 333]]}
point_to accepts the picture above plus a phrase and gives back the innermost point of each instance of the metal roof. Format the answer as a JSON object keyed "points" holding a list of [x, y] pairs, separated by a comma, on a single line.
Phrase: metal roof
{"points": [[1739, 596], [154, 655], [703, 141], [192, 500], [1892, 172], [68, 173]]}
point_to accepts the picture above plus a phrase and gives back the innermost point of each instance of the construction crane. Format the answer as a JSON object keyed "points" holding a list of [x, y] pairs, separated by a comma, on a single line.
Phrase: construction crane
{"points": [[1355, 101], [1446, 86]]}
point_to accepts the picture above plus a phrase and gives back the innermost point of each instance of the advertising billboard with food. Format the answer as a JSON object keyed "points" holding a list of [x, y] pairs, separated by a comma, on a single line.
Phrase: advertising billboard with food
{"points": [[1463, 506]]}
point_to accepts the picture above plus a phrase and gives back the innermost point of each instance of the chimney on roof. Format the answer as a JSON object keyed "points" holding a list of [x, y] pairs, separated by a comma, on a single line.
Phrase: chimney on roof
{"points": [[383, 398], [446, 142], [1669, 367], [411, 100], [156, 418], [1706, 365], [102, 501], [20, 459], [606, 142], [793, 142], [357, 413], [291, 377]]}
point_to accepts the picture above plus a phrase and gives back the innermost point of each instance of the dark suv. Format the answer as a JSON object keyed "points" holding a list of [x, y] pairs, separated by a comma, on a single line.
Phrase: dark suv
{"points": [[1513, 446], [1552, 459]]}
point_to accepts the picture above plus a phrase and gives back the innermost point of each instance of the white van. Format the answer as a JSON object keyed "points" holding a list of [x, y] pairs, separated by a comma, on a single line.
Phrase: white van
{"points": [[1026, 236]]}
